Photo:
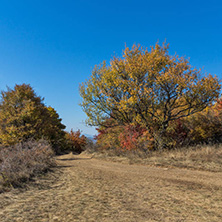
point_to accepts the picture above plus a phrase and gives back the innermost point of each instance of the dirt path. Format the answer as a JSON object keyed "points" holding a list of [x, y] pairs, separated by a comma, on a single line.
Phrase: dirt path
{"points": [[95, 190]]}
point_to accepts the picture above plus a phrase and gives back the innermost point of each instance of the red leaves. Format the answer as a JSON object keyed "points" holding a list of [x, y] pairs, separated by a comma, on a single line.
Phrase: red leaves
{"points": [[76, 141], [130, 135]]}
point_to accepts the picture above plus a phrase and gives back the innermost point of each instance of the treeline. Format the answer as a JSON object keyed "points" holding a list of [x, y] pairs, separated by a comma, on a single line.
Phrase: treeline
{"points": [[151, 100]]}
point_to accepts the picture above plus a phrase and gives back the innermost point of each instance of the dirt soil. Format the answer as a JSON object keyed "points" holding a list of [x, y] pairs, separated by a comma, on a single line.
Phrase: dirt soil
{"points": [[87, 189]]}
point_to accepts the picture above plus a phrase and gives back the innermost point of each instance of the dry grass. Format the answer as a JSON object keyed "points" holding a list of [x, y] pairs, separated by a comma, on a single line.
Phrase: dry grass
{"points": [[201, 157], [22, 161], [89, 189], [84, 188]]}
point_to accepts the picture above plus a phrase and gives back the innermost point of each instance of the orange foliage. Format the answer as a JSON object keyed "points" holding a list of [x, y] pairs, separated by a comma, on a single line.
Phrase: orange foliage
{"points": [[76, 141], [129, 138]]}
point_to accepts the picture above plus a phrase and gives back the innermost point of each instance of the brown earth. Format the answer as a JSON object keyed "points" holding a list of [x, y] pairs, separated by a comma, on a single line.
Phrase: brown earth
{"points": [[88, 189]]}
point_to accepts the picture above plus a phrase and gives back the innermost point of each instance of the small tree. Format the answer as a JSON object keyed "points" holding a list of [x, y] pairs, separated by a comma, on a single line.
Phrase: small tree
{"points": [[23, 115], [76, 141], [151, 88]]}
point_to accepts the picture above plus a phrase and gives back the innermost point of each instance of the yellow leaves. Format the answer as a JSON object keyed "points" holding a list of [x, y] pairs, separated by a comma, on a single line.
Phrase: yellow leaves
{"points": [[23, 115], [150, 87]]}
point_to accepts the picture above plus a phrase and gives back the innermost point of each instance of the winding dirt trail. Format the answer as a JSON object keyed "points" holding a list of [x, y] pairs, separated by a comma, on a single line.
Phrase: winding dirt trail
{"points": [[85, 189]]}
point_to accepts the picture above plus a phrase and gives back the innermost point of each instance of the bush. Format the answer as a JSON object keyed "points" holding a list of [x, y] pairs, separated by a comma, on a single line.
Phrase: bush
{"points": [[75, 141], [108, 138], [20, 162], [131, 136], [135, 137], [204, 127]]}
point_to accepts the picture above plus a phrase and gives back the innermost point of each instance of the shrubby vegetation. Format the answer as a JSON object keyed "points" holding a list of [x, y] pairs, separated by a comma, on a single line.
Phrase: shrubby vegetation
{"points": [[151, 100], [20, 162], [75, 141], [201, 128]]}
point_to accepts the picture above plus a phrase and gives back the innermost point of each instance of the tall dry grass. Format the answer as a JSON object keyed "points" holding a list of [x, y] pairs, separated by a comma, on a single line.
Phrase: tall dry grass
{"points": [[22, 161], [200, 157]]}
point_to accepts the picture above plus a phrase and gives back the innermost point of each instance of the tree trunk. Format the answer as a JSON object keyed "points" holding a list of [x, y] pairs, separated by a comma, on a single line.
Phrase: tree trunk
{"points": [[160, 137]]}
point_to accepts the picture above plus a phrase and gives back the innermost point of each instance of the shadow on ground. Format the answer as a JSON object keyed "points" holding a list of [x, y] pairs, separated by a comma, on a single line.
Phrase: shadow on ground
{"points": [[69, 159]]}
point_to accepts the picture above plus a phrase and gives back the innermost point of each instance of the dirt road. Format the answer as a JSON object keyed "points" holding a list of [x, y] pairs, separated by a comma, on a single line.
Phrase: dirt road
{"points": [[85, 189]]}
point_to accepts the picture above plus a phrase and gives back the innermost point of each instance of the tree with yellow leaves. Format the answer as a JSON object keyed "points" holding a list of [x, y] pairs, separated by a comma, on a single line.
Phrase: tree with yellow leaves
{"points": [[23, 115], [151, 88]]}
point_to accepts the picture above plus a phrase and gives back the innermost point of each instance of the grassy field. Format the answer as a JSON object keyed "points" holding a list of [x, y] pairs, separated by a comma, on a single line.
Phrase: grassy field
{"points": [[202, 157]]}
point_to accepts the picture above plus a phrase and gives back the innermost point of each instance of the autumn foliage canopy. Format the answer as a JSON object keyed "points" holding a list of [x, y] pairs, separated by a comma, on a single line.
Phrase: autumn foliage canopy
{"points": [[149, 89], [24, 116]]}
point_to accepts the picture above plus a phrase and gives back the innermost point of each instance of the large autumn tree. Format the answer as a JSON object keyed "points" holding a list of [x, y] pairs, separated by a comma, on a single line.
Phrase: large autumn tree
{"points": [[151, 88], [23, 115]]}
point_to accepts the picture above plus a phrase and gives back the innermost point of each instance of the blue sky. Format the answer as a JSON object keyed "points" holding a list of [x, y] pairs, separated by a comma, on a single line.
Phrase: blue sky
{"points": [[54, 45]]}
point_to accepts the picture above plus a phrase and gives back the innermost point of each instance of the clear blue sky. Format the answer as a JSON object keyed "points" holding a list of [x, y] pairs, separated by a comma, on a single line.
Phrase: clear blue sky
{"points": [[54, 45]]}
